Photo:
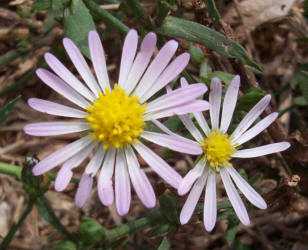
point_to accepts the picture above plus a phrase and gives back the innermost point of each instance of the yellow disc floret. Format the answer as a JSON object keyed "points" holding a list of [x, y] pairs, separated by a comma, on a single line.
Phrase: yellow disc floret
{"points": [[217, 148], [116, 119]]}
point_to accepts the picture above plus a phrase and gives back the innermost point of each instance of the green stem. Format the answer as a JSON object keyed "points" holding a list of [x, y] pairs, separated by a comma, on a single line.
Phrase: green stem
{"points": [[153, 218], [15, 227], [106, 16], [49, 216], [18, 83], [137, 10], [13, 170], [10, 56]]}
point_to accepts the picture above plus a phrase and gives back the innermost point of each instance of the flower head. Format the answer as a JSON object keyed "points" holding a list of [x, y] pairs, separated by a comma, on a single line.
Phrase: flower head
{"points": [[218, 149], [114, 119]]}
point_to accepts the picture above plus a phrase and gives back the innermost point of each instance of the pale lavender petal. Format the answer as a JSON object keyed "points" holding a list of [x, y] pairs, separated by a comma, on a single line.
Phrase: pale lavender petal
{"points": [[159, 165], [246, 189], [65, 173], [96, 162], [98, 59], [68, 76], [122, 184], [61, 155], [141, 62], [229, 103], [262, 150], [215, 102], [210, 203], [171, 72], [81, 65], [104, 184], [156, 67], [84, 190], [55, 128], [61, 87], [163, 127], [191, 177], [176, 143], [193, 106], [256, 129], [191, 128], [251, 116], [128, 55], [198, 115], [139, 180], [192, 199], [53, 108], [234, 197], [177, 97]]}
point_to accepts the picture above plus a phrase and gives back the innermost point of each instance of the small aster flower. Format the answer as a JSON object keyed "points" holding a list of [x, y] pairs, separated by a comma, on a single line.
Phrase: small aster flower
{"points": [[114, 119], [219, 148]]}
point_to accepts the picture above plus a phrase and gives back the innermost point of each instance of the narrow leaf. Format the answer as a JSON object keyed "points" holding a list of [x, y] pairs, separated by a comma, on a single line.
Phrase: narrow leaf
{"points": [[7, 109]]}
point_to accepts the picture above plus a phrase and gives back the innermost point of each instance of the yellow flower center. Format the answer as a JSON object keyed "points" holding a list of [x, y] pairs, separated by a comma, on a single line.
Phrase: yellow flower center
{"points": [[217, 148], [116, 119]]}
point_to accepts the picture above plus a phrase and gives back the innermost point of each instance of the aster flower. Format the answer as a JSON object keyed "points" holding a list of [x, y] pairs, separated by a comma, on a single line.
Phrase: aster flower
{"points": [[114, 119], [219, 148]]}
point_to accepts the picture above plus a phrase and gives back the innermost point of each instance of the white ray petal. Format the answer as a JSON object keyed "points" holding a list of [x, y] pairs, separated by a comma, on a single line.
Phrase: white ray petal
{"points": [[81, 65], [215, 102], [122, 184], [251, 116], [141, 62], [256, 129], [139, 180], [128, 55], [210, 203], [104, 183], [84, 190], [98, 59], [55, 128], [229, 103], [159, 165], [262, 150], [234, 197], [96, 162], [191, 128], [176, 143], [191, 177], [192, 199], [53, 108], [246, 189]]}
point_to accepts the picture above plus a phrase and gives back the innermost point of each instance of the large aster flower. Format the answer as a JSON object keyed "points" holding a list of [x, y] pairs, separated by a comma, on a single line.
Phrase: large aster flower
{"points": [[218, 149], [113, 119]]}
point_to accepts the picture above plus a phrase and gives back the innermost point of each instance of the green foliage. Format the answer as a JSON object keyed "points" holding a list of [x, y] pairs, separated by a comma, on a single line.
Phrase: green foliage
{"points": [[42, 4], [170, 208], [65, 245], [7, 109], [91, 232], [77, 24], [223, 76], [197, 33], [196, 55], [211, 8], [249, 99], [164, 245], [233, 223]]}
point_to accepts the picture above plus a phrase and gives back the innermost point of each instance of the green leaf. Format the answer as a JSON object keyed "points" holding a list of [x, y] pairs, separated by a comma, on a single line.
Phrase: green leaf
{"points": [[300, 101], [302, 78], [233, 223], [65, 245], [243, 173], [7, 109], [197, 33], [196, 54], [223, 76], [91, 232], [164, 245], [169, 207], [254, 179], [249, 99], [211, 8], [42, 4], [159, 230], [77, 24]]}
